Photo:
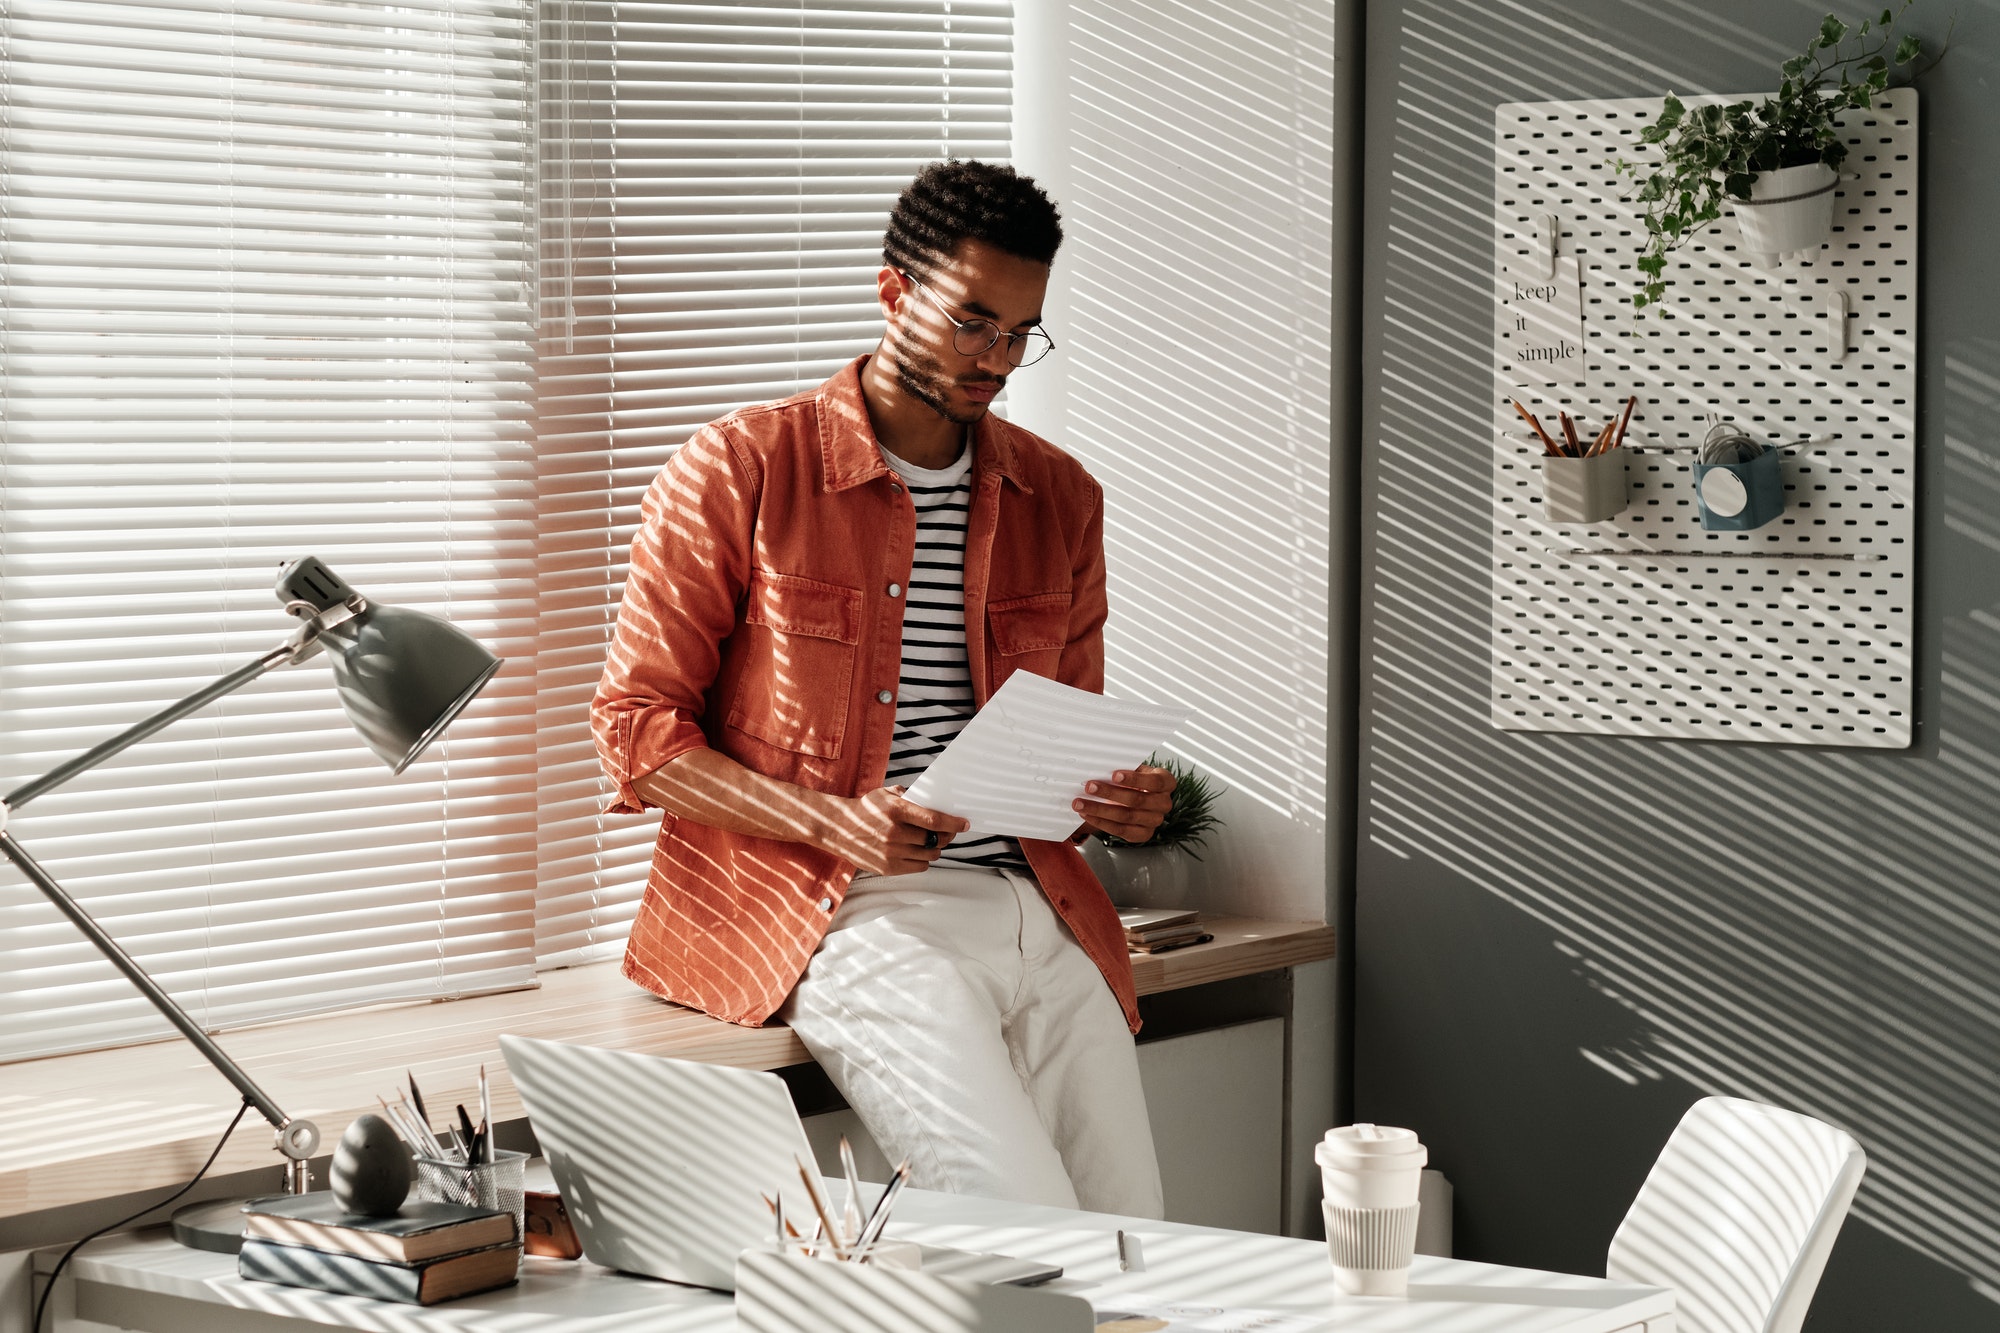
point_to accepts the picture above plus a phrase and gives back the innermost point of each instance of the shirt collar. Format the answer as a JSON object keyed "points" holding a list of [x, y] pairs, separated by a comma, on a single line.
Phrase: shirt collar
{"points": [[850, 454]]}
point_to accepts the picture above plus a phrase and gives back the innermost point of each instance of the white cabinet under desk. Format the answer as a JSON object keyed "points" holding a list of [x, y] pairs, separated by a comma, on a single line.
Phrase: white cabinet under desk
{"points": [[1216, 1099]]}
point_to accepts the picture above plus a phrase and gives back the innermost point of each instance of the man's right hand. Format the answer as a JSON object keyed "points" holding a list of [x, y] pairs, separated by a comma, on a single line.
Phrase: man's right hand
{"points": [[883, 834]]}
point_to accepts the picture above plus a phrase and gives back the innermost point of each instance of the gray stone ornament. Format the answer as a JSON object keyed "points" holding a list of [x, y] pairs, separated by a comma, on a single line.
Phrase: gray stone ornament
{"points": [[371, 1169]]}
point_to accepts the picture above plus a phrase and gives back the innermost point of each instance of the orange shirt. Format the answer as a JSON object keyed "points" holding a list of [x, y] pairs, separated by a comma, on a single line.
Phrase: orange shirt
{"points": [[757, 620]]}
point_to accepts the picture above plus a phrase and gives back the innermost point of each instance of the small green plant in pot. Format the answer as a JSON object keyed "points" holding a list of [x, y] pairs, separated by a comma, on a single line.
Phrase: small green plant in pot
{"points": [[1774, 162], [1154, 873]]}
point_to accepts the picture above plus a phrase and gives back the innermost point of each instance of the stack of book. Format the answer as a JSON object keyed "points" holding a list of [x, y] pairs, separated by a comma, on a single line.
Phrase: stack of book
{"points": [[428, 1252], [1156, 930]]}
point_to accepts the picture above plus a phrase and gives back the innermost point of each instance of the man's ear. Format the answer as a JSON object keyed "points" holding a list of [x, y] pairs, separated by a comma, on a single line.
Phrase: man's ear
{"points": [[890, 292]]}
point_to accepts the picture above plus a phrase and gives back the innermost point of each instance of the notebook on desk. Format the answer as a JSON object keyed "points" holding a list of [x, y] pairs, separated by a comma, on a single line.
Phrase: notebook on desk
{"points": [[663, 1164]]}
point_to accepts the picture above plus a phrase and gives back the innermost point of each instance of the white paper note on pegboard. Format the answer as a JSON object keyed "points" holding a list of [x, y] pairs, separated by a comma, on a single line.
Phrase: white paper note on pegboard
{"points": [[1799, 631]]}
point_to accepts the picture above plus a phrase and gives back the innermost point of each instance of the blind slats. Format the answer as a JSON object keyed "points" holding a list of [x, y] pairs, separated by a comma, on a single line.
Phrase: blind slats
{"points": [[715, 184], [264, 292]]}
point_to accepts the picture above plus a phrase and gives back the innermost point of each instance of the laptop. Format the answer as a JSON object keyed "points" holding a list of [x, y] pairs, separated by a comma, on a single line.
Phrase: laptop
{"points": [[663, 1164]]}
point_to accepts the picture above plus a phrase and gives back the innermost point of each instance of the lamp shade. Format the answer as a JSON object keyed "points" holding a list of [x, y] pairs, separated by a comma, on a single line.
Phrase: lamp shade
{"points": [[403, 676]]}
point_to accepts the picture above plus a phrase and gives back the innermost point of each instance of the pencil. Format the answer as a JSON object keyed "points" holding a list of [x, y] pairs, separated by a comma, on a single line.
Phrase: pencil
{"points": [[485, 1116], [1534, 421], [1625, 420], [819, 1206], [1569, 434], [878, 1220], [850, 1212], [1603, 440], [778, 1211]]}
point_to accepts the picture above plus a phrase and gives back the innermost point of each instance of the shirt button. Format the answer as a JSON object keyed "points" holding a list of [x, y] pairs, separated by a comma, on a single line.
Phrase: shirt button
{"points": [[826, 904], [894, 489], [895, 590], [885, 696]]}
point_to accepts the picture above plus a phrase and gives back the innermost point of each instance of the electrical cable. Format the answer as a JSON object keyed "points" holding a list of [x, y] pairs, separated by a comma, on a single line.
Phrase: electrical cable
{"points": [[1724, 443], [41, 1306]]}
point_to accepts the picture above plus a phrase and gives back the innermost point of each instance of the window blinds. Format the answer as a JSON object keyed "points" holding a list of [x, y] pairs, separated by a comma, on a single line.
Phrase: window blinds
{"points": [[715, 178], [264, 292]]}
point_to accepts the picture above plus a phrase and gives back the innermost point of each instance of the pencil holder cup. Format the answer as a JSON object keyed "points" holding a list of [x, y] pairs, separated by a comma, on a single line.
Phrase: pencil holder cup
{"points": [[881, 1252], [499, 1184], [1583, 490], [1739, 496]]}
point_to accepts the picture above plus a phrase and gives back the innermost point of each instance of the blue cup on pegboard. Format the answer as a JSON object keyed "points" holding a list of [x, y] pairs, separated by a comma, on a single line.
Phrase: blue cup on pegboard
{"points": [[1738, 482]]}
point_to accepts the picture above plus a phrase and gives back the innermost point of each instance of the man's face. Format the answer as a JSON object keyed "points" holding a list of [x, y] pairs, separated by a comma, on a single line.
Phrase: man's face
{"points": [[977, 282]]}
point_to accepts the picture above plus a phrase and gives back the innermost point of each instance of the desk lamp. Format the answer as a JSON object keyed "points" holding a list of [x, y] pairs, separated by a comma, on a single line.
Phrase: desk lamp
{"points": [[402, 676]]}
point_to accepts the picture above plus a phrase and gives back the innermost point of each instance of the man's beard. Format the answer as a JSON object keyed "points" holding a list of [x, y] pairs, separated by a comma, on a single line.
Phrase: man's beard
{"points": [[924, 379]]}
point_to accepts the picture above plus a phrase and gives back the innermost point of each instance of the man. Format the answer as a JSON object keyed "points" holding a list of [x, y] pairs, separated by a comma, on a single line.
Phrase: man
{"points": [[823, 591]]}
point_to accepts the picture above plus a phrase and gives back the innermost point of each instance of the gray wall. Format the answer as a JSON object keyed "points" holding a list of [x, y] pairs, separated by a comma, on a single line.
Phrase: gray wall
{"points": [[1545, 979]]}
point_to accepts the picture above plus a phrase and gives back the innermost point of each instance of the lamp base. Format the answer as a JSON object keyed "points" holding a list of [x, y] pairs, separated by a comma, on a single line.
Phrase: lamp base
{"points": [[216, 1226]]}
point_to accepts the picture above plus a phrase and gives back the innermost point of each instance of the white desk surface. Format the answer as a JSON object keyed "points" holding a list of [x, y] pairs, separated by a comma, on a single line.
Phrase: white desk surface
{"points": [[146, 1282]]}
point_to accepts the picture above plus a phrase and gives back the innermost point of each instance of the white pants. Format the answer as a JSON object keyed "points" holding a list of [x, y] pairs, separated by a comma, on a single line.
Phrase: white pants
{"points": [[975, 1038]]}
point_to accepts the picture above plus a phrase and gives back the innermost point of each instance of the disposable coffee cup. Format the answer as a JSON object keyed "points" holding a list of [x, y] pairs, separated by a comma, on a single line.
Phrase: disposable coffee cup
{"points": [[1371, 1175]]}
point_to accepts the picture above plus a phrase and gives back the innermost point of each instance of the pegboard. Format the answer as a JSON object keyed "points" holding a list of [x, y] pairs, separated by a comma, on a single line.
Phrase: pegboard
{"points": [[1644, 624]]}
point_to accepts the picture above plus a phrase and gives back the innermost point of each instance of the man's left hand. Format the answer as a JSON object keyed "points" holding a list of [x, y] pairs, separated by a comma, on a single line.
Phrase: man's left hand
{"points": [[1130, 805]]}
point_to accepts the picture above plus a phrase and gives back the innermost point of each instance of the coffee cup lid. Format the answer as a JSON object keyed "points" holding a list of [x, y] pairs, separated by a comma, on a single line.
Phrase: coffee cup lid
{"points": [[1371, 1146]]}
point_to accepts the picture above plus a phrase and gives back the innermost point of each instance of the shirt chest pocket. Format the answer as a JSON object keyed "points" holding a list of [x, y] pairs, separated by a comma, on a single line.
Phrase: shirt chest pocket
{"points": [[802, 640], [1024, 627]]}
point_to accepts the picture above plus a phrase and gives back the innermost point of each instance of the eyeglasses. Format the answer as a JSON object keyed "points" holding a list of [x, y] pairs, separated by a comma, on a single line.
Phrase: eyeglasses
{"points": [[971, 337]]}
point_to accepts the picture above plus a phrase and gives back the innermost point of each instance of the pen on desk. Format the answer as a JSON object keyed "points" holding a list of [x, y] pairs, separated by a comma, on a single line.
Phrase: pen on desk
{"points": [[471, 1135]]}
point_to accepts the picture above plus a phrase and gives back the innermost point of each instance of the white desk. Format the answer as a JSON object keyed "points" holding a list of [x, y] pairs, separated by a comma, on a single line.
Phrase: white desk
{"points": [[146, 1282]]}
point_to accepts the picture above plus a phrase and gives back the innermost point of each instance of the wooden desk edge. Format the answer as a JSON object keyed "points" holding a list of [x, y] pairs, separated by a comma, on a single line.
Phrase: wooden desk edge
{"points": [[1242, 947]]}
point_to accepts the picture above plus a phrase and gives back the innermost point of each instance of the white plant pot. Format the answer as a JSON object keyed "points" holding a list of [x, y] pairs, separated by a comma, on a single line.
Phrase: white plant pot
{"points": [[1150, 877], [1789, 212]]}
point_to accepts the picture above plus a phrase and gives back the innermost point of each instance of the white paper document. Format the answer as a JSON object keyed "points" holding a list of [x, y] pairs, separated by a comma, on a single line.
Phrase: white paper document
{"points": [[1025, 756]]}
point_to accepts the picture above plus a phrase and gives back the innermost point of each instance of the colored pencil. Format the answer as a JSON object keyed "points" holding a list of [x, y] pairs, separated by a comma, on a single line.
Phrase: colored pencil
{"points": [[1534, 421]]}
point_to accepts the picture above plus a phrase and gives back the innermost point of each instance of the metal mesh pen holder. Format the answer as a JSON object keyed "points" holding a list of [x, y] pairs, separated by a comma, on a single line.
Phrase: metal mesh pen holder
{"points": [[498, 1184]]}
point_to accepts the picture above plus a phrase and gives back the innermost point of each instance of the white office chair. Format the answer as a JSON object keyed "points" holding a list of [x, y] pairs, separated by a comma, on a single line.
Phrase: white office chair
{"points": [[1738, 1216]]}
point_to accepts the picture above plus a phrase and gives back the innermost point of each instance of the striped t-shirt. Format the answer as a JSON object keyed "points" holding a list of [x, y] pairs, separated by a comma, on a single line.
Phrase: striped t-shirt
{"points": [[934, 696]]}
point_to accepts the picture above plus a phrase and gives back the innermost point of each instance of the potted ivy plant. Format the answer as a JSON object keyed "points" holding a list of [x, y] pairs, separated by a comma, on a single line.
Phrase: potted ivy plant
{"points": [[1156, 873], [1774, 162]]}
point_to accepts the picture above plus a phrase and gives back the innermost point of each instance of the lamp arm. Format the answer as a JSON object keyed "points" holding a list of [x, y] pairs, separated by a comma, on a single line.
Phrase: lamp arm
{"points": [[132, 735], [297, 1139]]}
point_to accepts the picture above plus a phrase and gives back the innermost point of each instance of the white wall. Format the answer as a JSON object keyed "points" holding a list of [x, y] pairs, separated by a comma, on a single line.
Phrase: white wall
{"points": [[1190, 146]]}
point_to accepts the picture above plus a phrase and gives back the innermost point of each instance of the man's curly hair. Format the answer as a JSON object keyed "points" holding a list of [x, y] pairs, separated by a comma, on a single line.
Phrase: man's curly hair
{"points": [[953, 201]]}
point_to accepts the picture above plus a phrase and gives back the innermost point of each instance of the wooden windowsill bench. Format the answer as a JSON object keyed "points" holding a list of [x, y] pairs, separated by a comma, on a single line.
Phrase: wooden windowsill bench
{"points": [[80, 1127]]}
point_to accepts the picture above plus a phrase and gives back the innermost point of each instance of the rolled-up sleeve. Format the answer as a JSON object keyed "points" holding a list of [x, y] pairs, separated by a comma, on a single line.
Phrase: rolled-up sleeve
{"points": [[690, 565]]}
